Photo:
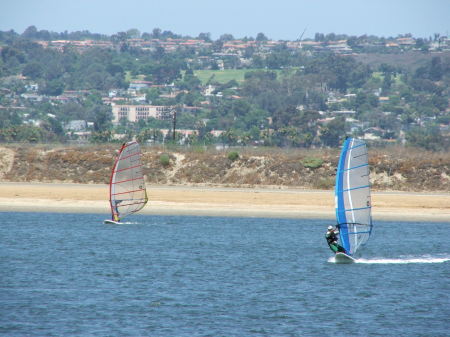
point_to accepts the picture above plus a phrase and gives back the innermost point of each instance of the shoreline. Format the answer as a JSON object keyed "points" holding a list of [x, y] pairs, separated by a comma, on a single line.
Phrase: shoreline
{"points": [[220, 201]]}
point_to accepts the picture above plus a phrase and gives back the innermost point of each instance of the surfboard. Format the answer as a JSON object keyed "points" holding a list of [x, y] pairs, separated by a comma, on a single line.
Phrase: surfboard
{"points": [[343, 258], [111, 222]]}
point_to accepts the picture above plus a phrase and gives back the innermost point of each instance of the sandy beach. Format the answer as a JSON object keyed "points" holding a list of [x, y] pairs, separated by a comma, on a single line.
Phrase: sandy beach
{"points": [[209, 201]]}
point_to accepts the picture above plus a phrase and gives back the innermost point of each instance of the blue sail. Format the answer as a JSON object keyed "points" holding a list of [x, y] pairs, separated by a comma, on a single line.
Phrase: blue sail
{"points": [[352, 195]]}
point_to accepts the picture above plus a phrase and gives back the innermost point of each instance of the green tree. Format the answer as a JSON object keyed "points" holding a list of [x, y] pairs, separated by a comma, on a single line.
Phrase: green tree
{"points": [[133, 33], [52, 88], [156, 33], [101, 137], [226, 37], [30, 33], [436, 69], [333, 132], [205, 36], [28, 133], [427, 138], [261, 37], [33, 70], [387, 82], [9, 118], [189, 82]]}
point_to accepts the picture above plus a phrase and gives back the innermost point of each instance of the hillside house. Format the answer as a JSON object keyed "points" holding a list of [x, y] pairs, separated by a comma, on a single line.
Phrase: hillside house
{"points": [[406, 41], [138, 85], [339, 47], [34, 87], [32, 97], [209, 90], [76, 125]]}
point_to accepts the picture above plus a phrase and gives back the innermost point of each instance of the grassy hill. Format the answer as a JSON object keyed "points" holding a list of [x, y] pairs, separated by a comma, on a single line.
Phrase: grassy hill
{"points": [[221, 76]]}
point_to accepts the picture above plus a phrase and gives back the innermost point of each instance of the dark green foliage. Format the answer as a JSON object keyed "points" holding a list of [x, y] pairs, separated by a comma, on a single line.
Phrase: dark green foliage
{"points": [[52, 88], [233, 155], [333, 132], [101, 137], [164, 159], [324, 183], [286, 104], [33, 70], [429, 139], [47, 132], [312, 163], [9, 117]]}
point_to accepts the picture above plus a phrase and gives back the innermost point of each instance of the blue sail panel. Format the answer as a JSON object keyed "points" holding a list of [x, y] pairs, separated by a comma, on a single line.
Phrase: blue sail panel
{"points": [[341, 217]]}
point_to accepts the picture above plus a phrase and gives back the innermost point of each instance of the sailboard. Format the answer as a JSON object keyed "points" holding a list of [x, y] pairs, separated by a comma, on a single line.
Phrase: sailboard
{"points": [[352, 199], [127, 192]]}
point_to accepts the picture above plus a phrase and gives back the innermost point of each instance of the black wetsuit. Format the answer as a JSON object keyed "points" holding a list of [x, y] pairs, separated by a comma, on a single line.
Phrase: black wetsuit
{"points": [[332, 241], [331, 237]]}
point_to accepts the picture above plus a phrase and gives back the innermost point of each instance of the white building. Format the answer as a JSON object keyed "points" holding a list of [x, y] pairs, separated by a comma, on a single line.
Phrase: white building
{"points": [[134, 113]]}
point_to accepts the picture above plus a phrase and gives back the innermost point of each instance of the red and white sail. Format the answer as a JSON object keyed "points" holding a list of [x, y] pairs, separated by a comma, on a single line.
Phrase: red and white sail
{"points": [[127, 186]]}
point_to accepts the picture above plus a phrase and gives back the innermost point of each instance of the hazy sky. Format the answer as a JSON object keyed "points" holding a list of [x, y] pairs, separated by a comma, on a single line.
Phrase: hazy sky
{"points": [[277, 19]]}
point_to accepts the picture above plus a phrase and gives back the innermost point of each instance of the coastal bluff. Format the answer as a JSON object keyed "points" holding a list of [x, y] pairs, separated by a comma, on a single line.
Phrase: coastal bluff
{"points": [[392, 169]]}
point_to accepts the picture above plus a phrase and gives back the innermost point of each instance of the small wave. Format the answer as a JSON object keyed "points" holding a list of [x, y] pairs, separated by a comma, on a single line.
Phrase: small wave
{"points": [[405, 260]]}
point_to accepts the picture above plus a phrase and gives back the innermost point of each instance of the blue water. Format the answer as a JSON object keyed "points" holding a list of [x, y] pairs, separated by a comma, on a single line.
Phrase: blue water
{"points": [[71, 275]]}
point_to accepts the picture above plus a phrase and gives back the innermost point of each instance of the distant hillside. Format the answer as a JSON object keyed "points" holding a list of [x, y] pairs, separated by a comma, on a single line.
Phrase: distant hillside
{"points": [[408, 60], [394, 169]]}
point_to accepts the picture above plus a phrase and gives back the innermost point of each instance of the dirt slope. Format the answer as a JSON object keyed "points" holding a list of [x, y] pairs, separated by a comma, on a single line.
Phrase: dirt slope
{"points": [[395, 169]]}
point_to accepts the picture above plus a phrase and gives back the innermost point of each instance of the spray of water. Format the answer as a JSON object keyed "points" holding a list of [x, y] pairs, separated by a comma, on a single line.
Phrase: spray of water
{"points": [[404, 260], [401, 260]]}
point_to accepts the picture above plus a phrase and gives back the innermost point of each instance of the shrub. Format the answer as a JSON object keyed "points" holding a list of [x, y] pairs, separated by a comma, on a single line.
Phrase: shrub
{"points": [[233, 155], [312, 163], [326, 183], [164, 159], [199, 149]]}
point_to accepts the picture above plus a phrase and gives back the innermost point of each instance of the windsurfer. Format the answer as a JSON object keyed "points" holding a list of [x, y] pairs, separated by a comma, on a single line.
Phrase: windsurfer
{"points": [[116, 209], [332, 239]]}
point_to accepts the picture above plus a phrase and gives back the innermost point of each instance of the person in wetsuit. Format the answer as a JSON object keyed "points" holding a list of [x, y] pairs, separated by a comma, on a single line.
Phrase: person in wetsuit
{"points": [[332, 240]]}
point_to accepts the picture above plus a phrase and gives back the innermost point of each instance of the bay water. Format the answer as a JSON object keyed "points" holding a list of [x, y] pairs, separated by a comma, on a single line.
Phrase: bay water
{"points": [[72, 275]]}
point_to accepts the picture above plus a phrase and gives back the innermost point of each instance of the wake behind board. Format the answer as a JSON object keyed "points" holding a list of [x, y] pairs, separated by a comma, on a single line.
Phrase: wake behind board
{"points": [[343, 258]]}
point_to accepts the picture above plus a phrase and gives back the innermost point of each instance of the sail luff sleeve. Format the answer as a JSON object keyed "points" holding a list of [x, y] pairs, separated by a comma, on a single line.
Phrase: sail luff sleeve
{"points": [[114, 213], [341, 217]]}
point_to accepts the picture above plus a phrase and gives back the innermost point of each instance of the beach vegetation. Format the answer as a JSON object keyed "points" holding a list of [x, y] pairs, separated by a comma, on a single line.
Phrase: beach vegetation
{"points": [[233, 155], [312, 162], [324, 183], [164, 159]]}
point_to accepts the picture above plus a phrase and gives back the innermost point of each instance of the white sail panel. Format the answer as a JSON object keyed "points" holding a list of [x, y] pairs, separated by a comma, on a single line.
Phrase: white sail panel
{"points": [[127, 186], [353, 204]]}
